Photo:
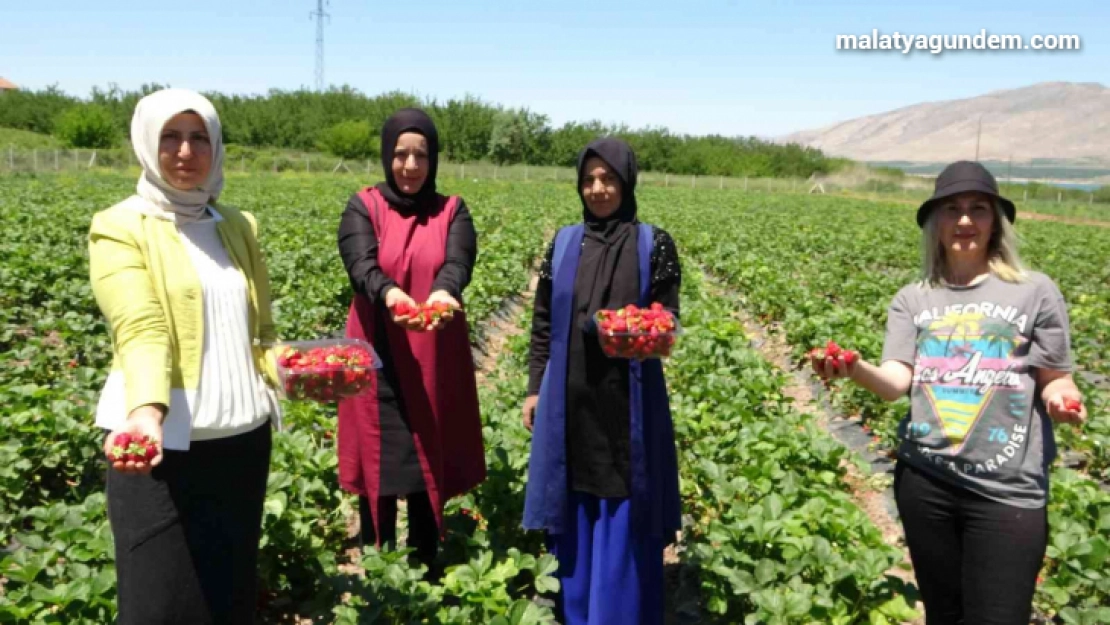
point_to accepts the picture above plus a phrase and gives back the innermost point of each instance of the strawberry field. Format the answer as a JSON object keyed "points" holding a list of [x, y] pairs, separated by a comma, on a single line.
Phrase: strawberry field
{"points": [[772, 532]]}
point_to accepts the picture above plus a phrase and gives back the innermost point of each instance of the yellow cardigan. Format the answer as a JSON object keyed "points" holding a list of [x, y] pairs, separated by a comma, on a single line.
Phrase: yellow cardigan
{"points": [[145, 285]]}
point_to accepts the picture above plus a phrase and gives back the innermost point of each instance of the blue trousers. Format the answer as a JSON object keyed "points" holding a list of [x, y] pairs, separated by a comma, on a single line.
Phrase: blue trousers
{"points": [[608, 574]]}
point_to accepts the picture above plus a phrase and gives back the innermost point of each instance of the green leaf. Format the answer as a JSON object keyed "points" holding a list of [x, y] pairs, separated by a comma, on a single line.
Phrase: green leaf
{"points": [[774, 506], [546, 584], [766, 572], [898, 610]]}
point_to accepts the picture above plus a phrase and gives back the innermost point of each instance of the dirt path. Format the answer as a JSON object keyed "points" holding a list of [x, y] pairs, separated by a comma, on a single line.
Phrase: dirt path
{"points": [[498, 329], [871, 491]]}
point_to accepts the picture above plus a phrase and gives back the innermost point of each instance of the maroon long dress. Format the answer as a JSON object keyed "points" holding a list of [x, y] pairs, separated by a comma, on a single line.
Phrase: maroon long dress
{"points": [[435, 370]]}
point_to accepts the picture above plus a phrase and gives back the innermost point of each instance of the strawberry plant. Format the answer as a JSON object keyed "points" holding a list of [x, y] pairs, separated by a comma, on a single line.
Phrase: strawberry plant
{"points": [[771, 534]]}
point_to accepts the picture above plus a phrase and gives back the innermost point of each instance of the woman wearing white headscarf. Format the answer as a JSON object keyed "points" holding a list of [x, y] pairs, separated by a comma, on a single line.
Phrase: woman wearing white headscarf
{"points": [[183, 286]]}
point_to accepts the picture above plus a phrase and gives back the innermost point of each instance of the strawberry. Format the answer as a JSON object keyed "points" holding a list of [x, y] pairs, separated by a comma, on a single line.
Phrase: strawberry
{"points": [[426, 313], [1073, 405], [834, 355], [403, 309], [127, 447]]}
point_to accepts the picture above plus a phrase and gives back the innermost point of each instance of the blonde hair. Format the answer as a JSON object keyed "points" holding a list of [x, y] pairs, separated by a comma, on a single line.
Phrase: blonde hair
{"points": [[1002, 251]]}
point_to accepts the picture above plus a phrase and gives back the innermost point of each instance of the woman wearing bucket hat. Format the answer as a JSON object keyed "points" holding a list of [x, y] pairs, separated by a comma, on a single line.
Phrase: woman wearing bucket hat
{"points": [[982, 348]]}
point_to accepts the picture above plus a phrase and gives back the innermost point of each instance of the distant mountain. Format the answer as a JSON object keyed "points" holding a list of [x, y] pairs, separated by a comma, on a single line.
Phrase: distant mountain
{"points": [[1060, 121]]}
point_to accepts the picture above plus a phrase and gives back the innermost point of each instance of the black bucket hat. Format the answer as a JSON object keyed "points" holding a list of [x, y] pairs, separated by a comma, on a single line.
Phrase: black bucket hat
{"points": [[960, 177]]}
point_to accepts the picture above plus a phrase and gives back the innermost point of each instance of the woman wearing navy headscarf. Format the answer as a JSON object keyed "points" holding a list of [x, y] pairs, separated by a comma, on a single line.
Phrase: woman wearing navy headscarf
{"points": [[603, 476]]}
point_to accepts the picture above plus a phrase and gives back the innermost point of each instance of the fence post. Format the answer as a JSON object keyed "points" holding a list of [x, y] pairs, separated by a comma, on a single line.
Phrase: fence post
{"points": [[721, 182], [745, 183], [667, 181], [35, 159], [11, 157], [92, 160], [1059, 196], [1025, 195]]}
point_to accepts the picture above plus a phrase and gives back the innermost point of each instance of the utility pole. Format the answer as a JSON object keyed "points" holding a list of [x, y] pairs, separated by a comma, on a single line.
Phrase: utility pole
{"points": [[978, 135], [320, 15]]}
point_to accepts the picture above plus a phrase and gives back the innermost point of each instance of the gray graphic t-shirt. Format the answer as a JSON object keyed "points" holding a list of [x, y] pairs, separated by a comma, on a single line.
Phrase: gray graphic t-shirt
{"points": [[974, 418]]}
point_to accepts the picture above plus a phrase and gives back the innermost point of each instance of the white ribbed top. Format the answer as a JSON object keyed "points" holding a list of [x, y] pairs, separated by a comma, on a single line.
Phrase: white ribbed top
{"points": [[231, 396]]}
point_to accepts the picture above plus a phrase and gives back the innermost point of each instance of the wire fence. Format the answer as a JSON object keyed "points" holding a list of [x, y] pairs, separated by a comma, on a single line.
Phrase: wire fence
{"points": [[911, 188], [15, 160]]}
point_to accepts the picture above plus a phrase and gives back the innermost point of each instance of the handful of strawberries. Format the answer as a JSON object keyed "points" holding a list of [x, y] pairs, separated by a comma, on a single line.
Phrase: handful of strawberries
{"points": [[834, 355], [427, 315], [330, 371], [131, 448], [637, 333]]}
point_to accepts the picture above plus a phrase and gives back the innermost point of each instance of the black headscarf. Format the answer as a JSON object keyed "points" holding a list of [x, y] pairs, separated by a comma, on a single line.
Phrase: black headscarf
{"points": [[409, 120], [619, 156]]}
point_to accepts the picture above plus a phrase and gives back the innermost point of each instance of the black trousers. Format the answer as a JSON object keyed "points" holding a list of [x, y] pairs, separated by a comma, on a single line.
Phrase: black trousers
{"points": [[976, 560], [187, 534], [423, 532]]}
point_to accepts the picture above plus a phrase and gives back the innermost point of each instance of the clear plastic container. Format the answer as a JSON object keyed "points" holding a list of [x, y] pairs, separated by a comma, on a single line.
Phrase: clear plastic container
{"points": [[326, 370], [639, 345]]}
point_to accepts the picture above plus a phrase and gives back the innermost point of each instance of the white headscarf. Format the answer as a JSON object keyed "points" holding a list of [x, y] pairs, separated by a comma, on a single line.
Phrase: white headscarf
{"points": [[155, 195]]}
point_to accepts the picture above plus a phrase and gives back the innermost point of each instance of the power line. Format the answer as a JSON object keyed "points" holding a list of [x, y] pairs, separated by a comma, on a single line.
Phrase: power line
{"points": [[320, 15], [978, 135]]}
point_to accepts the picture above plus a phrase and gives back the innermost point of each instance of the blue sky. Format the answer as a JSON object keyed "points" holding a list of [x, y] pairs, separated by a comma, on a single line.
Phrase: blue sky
{"points": [[722, 66]]}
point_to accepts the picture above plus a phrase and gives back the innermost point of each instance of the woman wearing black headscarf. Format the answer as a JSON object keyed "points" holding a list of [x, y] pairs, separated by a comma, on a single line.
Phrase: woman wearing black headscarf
{"points": [[418, 435], [603, 478]]}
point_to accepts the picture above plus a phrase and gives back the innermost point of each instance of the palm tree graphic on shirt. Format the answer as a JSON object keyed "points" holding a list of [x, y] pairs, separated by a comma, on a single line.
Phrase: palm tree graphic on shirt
{"points": [[950, 344]]}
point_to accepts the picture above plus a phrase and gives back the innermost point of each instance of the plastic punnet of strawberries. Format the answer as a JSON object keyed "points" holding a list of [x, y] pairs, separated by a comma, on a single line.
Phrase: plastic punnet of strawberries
{"points": [[426, 313], [326, 371], [637, 333]]}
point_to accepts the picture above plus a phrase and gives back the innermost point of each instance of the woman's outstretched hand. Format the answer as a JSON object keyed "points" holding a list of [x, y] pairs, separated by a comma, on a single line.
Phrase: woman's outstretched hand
{"points": [[394, 297], [1066, 408], [144, 421]]}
